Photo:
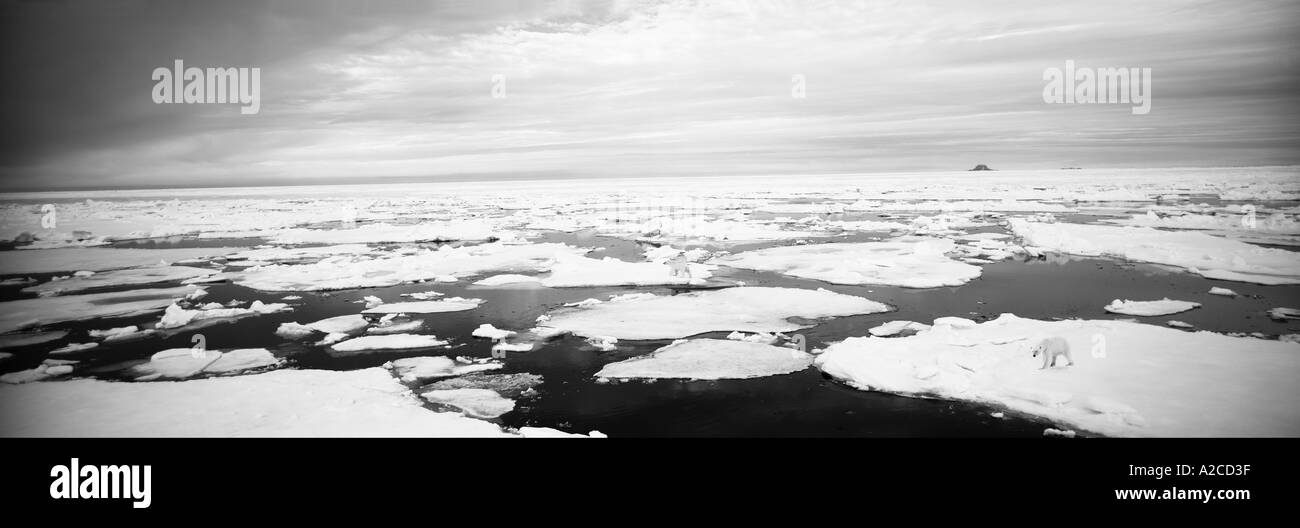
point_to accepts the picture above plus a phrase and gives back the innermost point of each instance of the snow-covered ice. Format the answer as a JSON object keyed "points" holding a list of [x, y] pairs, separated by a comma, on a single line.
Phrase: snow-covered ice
{"points": [[387, 342], [118, 278], [450, 304], [1130, 379], [282, 403], [366, 271], [181, 363], [424, 368], [1210, 256], [710, 359], [1164, 306], [478, 403], [746, 309], [15, 315], [912, 263], [486, 330]]}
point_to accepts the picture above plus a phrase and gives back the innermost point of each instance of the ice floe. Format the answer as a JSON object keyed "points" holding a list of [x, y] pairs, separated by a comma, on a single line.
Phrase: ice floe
{"points": [[387, 342], [450, 304], [897, 328], [571, 271], [488, 331], [281, 403], [96, 259], [118, 278], [176, 317], [1164, 306], [182, 363], [15, 315], [1130, 379], [30, 338], [746, 309], [424, 368], [1210, 256], [912, 263], [710, 359], [446, 262], [477, 403]]}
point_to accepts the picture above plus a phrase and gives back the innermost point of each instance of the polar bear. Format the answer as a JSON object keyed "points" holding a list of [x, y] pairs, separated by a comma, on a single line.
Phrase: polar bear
{"points": [[1052, 348]]}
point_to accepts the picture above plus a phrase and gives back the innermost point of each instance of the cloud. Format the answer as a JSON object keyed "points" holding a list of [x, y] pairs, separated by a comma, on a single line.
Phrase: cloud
{"points": [[667, 88]]}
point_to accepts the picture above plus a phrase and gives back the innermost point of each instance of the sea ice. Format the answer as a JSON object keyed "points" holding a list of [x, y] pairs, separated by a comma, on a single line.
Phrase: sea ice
{"points": [[477, 403], [364, 271], [746, 309], [450, 304], [30, 338], [387, 342], [488, 331], [911, 263], [710, 359], [281, 403], [1150, 308], [15, 315], [1210, 256], [1130, 379], [176, 317], [181, 363], [116, 278], [424, 368]]}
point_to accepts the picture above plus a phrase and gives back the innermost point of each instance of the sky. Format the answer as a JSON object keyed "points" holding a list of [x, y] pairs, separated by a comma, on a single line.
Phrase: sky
{"points": [[463, 89]]}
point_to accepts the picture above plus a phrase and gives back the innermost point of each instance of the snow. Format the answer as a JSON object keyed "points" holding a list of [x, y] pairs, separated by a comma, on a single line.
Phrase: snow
{"points": [[367, 271], [1210, 256], [1130, 379], [746, 309], [117, 278], [450, 304], [282, 403], [181, 363], [710, 359], [488, 331], [478, 403], [1150, 308], [1222, 291], [424, 368], [22, 313], [911, 263], [388, 342]]}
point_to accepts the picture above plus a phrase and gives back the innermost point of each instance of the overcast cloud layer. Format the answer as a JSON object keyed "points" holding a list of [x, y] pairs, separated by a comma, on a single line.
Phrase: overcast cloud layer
{"points": [[375, 90]]}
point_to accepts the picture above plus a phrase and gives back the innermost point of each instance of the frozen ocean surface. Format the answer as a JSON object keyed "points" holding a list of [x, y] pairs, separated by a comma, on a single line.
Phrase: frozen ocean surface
{"points": [[382, 292]]}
